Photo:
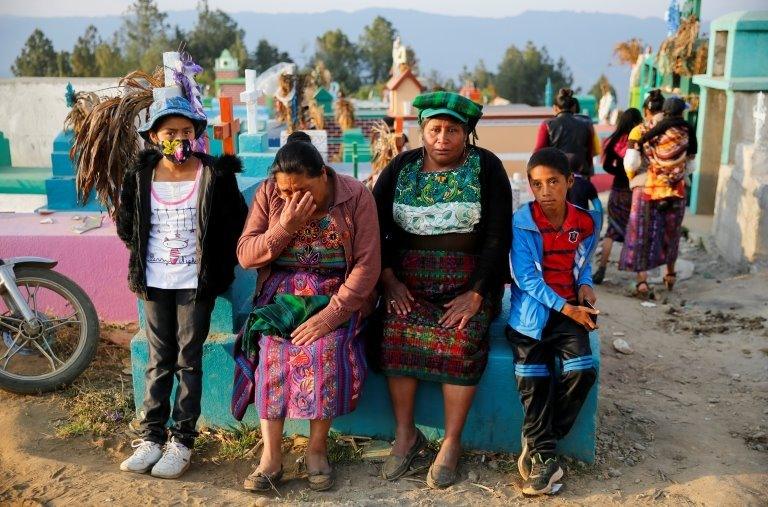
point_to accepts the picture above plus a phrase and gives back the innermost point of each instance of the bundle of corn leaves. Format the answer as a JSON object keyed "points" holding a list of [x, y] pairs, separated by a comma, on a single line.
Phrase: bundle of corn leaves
{"points": [[106, 142]]}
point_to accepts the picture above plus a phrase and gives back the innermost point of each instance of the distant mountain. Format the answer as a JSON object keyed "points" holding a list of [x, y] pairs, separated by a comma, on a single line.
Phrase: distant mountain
{"points": [[441, 42]]}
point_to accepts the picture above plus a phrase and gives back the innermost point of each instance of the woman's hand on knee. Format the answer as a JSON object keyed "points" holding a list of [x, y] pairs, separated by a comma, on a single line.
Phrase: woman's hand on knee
{"points": [[397, 296], [461, 309], [308, 332]]}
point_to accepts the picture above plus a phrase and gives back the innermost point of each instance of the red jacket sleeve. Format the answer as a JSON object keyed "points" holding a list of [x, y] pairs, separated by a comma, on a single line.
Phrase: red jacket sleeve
{"points": [[542, 137]]}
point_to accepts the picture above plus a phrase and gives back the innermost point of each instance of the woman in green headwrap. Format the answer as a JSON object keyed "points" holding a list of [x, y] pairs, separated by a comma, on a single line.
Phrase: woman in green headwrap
{"points": [[445, 218]]}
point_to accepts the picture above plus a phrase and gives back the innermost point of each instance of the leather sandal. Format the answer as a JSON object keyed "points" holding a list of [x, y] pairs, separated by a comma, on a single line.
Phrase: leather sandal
{"points": [[321, 481], [669, 280], [440, 477], [262, 481], [396, 466]]}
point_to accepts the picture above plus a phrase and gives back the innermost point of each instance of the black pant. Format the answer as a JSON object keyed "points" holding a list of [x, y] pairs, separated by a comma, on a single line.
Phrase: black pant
{"points": [[552, 396], [177, 326]]}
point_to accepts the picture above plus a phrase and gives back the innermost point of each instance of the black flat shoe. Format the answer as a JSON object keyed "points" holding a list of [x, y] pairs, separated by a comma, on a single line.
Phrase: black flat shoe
{"points": [[396, 466]]}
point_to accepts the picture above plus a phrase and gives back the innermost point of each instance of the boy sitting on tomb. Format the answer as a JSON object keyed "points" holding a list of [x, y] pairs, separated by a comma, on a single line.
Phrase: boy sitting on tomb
{"points": [[553, 241]]}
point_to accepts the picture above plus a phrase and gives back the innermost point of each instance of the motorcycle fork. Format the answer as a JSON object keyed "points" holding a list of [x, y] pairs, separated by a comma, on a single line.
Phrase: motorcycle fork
{"points": [[11, 293]]}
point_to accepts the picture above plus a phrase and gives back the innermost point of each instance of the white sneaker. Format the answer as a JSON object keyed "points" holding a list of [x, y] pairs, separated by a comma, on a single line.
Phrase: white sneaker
{"points": [[144, 457], [174, 462]]}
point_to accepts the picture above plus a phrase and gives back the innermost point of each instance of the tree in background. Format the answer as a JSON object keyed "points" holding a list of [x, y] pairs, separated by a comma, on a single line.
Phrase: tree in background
{"points": [[214, 31], [341, 57], [109, 59], [481, 77], [522, 75], [63, 65], [83, 58], [37, 57], [266, 55], [375, 45], [143, 35], [597, 88]]}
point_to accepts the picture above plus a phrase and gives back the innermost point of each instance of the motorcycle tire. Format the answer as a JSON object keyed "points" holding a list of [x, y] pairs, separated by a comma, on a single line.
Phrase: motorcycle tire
{"points": [[86, 347]]}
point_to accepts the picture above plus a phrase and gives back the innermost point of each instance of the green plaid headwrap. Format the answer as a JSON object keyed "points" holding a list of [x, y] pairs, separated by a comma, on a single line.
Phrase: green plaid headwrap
{"points": [[434, 103]]}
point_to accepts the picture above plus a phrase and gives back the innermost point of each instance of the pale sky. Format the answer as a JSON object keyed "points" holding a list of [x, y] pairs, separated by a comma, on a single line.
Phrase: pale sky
{"points": [[482, 8]]}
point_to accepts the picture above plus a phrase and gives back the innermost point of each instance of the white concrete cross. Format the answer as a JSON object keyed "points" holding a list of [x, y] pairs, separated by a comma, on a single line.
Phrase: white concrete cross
{"points": [[250, 97]]}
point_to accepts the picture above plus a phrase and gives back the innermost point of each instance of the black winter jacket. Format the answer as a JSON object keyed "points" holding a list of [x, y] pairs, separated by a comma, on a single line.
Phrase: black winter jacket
{"points": [[221, 217], [494, 228]]}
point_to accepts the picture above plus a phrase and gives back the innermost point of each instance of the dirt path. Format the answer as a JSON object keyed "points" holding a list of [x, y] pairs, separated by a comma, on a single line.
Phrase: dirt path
{"points": [[683, 421]]}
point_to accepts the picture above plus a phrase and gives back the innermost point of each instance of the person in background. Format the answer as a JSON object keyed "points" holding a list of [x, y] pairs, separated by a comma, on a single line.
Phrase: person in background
{"points": [[569, 132], [620, 198], [666, 143], [551, 314]]}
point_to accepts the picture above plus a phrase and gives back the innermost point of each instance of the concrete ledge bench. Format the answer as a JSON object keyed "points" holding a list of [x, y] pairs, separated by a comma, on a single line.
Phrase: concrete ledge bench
{"points": [[493, 424]]}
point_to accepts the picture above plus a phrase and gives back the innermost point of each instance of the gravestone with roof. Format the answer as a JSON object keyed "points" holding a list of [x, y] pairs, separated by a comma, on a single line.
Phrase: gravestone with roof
{"points": [[731, 175], [737, 69]]}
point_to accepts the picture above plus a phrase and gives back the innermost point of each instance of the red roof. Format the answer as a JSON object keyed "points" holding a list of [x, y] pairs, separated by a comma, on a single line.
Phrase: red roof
{"points": [[395, 81]]}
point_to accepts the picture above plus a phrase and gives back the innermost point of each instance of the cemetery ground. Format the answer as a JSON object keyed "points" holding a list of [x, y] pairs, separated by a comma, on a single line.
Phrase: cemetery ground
{"points": [[683, 420]]}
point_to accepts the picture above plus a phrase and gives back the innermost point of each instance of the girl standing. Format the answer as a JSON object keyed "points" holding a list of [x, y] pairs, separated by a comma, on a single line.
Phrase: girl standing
{"points": [[180, 214]]}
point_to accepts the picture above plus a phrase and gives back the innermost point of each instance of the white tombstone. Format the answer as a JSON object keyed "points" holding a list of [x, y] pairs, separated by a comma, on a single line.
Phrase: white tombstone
{"points": [[250, 97], [319, 140]]}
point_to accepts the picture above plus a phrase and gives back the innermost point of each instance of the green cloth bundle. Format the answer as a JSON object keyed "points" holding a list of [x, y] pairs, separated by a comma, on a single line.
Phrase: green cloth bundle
{"points": [[280, 318]]}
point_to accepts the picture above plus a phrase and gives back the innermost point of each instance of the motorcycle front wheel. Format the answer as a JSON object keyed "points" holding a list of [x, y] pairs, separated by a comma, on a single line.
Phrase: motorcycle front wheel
{"points": [[60, 343]]}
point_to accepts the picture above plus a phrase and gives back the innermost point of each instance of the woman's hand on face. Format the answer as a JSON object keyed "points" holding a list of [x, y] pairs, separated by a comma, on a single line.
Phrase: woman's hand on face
{"points": [[398, 297], [308, 332], [296, 211], [460, 309]]}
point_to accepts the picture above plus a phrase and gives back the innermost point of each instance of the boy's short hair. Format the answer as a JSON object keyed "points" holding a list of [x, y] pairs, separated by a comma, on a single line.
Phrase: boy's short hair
{"points": [[550, 157], [298, 135]]}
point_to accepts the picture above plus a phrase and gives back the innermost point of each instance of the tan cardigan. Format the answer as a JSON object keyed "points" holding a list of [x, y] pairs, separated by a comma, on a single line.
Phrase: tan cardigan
{"points": [[354, 211]]}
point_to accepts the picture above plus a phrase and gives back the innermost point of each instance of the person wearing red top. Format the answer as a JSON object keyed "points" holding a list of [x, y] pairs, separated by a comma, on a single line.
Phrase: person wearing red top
{"points": [[560, 244], [551, 314]]}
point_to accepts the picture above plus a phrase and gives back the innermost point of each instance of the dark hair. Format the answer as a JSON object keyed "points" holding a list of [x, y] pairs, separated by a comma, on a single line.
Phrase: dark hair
{"points": [[550, 157], [159, 122], [389, 121], [565, 99], [654, 101], [673, 106], [298, 135], [628, 120], [576, 107], [298, 157]]}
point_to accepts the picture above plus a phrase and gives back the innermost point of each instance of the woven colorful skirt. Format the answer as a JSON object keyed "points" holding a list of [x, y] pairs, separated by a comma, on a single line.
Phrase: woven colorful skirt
{"points": [[321, 380], [415, 345], [619, 206], [653, 232]]}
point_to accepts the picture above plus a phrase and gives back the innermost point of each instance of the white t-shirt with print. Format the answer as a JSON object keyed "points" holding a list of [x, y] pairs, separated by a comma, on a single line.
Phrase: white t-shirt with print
{"points": [[172, 246]]}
